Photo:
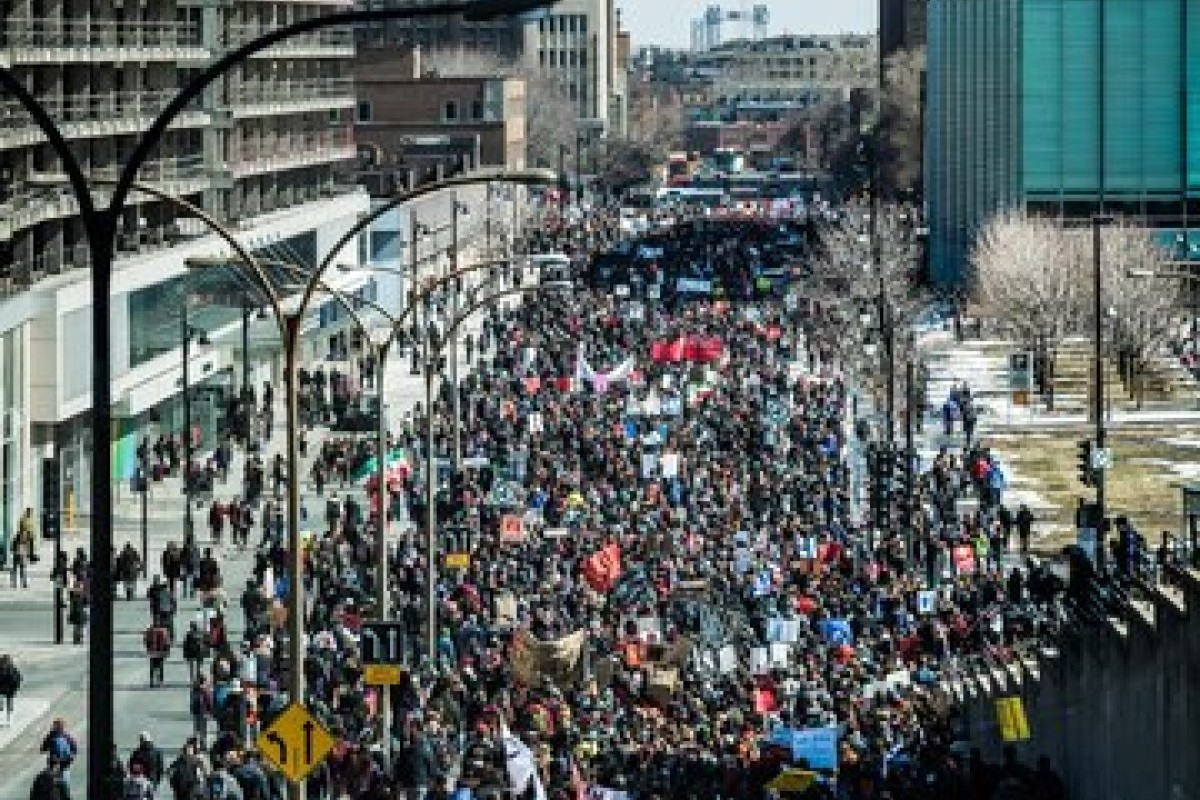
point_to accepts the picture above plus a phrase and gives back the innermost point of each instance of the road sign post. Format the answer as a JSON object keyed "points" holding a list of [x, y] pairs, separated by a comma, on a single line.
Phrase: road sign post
{"points": [[295, 743]]}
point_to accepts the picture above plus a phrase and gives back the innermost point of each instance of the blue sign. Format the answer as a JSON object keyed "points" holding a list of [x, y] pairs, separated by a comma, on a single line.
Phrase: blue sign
{"points": [[836, 631], [816, 746]]}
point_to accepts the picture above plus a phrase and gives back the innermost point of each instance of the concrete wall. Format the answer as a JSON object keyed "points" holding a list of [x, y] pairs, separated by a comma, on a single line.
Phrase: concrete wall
{"points": [[1117, 709]]}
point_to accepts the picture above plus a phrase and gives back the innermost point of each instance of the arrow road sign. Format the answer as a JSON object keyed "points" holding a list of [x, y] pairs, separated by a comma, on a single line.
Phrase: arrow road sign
{"points": [[295, 743], [382, 643]]}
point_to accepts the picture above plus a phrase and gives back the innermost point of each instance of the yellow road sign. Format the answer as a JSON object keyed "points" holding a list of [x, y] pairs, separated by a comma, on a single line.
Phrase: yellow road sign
{"points": [[458, 560], [382, 674], [295, 743], [1010, 713]]}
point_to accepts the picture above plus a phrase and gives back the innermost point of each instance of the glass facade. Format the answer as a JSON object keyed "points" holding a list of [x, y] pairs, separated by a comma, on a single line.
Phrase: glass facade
{"points": [[1091, 110]]}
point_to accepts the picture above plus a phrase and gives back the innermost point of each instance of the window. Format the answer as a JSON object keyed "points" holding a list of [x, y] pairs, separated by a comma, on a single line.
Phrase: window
{"points": [[450, 112], [542, 57], [476, 109], [583, 23], [365, 111], [572, 56], [571, 23]]}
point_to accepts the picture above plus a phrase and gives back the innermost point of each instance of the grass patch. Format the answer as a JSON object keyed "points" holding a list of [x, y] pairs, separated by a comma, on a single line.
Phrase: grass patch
{"points": [[1149, 466]]}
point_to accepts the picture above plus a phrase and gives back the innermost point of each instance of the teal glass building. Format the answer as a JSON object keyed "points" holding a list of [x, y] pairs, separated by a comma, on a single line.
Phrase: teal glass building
{"points": [[1063, 107]]}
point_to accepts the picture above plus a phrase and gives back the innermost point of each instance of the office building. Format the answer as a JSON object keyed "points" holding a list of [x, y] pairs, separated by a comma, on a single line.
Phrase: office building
{"points": [[577, 42], [1064, 107], [261, 152], [423, 125], [768, 79], [901, 25]]}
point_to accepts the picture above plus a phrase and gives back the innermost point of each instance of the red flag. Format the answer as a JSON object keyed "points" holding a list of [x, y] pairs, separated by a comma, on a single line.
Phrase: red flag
{"points": [[602, 569]]}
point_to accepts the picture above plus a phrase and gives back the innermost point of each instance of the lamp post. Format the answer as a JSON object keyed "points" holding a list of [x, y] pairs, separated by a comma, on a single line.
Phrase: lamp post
{"points": [[454, 287], [1098, 222], [187, 333]]}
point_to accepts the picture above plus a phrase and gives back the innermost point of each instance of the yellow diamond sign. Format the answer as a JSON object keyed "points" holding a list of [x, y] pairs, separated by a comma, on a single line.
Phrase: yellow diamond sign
{"points": [[295, 743]]}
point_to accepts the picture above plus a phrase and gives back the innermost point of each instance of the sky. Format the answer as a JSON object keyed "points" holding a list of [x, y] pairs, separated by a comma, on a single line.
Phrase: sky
{"points": [[668, 22]]}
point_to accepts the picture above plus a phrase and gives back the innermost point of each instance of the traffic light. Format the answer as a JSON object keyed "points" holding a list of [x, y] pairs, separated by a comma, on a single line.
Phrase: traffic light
{"points": [[1086, 475]]}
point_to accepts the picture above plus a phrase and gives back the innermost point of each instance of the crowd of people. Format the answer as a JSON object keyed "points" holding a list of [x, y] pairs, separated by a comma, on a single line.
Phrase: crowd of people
{"points": [[669, 590]]}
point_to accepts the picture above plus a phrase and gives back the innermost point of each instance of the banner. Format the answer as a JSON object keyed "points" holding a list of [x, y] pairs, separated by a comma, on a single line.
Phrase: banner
{"points": [[521, 767], [512, 529], [560, 660], [817, 746], [964, 559], [836, 631]]}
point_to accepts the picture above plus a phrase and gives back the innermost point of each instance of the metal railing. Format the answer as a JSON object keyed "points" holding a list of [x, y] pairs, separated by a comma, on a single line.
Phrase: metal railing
{"points": [[178, 168], [337, 38], [44, 32], [290, 91], [87, 107], [249, 152]]}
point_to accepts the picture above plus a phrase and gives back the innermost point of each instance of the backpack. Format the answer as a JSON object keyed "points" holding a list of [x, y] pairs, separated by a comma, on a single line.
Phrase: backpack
{"points": [[61, 749], [156, 640]]}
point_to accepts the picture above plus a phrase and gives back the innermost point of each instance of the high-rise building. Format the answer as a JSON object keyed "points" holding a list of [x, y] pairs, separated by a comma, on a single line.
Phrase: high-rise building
{"points": [[901, 25], [1064, 108], [260, 151]]}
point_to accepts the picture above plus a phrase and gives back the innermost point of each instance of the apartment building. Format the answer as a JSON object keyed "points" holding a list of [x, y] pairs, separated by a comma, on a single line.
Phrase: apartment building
{"points": [[261, 151]]}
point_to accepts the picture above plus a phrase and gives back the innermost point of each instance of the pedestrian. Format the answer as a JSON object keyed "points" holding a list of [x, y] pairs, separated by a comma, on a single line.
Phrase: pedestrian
{"points": [[24, 549], [172, 566], [216, 522], [77, 611], [1024, 522], [10, 684], [149, 759], [186, 773], [50, 783], [157, 640], [195, 650], [60, 746], [200, 706], [137, 785], [128, 567]]}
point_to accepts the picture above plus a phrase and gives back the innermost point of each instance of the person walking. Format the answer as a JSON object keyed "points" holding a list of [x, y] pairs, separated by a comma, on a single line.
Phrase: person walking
{"points": [[1024, 522], [158, 646], [148, 760], [195, 650], [50, 784], [10, 684], [23, 550], [200, 706], [186, 773]]}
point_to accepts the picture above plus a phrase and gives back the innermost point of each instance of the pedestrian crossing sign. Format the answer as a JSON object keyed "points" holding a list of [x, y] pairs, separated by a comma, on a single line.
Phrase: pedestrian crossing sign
{"points": [[295, 743]]}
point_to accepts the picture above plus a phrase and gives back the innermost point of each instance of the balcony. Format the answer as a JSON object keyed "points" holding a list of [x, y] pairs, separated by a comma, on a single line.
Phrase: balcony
{"points": [[262, 157], [271, 98], [178, 176], [58, 41], [80, 116], [334, 43], [27, 206]]}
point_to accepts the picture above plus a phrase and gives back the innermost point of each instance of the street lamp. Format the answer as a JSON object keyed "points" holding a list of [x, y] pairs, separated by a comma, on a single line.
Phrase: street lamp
{"points": [[187, 333], [1098, 222]]}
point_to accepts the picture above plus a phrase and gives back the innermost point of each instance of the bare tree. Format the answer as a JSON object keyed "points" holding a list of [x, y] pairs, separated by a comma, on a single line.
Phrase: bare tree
{"points": [[849, 285], [1028, 285], [1139, 295]]}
